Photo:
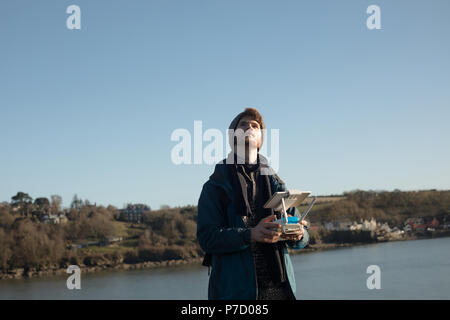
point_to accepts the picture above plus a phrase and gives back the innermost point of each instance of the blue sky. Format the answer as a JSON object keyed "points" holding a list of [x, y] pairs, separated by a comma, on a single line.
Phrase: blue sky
{"points": [[91, 111]]}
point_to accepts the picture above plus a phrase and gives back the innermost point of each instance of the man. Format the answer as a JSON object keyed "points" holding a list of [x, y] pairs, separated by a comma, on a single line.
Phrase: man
{"points": [[244, 247]]}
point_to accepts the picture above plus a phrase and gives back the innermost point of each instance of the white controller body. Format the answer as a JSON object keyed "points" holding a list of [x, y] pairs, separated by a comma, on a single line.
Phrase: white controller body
{"points": [[289, 228]]}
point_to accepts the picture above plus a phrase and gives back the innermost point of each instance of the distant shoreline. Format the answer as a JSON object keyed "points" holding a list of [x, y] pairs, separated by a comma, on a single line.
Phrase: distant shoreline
{"points": [[21, 273], [331, 246]]}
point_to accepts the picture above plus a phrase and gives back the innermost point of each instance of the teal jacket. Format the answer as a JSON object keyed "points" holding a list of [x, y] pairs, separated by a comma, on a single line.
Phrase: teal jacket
{"points": [[222, 233]]}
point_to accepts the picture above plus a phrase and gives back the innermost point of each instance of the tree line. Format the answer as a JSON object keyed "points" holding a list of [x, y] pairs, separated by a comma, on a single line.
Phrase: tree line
{"points": [[170, 233], [392, 207], [26, 242]]}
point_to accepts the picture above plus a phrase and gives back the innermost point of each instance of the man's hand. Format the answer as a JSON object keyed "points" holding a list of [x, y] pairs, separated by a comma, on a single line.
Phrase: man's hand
{"points": [[297, 236], [263, 231]]}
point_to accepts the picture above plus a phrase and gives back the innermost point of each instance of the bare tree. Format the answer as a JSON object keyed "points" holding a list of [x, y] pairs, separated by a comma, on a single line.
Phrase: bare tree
{"points": [[56, 202]]}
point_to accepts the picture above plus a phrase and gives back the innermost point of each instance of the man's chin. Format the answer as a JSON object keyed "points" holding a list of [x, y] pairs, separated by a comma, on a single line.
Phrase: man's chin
{"points": [[249, 144]]}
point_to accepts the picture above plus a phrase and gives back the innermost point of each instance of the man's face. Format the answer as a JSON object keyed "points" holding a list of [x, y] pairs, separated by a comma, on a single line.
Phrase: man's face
{"points": [[251, 130]]}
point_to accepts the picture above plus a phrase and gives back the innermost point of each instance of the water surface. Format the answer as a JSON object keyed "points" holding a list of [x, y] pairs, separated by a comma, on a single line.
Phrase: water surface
{"points": [[409, 270]]}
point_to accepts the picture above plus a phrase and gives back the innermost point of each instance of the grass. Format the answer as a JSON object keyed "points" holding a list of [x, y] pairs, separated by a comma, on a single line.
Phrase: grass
{"points": [[121, 229], [125, 229]]}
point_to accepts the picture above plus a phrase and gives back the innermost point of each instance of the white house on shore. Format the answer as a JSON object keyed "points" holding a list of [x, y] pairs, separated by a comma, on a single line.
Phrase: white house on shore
{"points": [[366, 225], [54, 218]]}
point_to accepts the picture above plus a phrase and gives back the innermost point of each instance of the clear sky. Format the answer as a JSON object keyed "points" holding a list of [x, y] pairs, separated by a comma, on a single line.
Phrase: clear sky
{"points": [[91, 111]]}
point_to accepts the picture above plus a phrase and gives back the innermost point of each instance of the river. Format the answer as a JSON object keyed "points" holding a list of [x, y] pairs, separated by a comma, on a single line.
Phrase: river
{"points": [[418, 269]]}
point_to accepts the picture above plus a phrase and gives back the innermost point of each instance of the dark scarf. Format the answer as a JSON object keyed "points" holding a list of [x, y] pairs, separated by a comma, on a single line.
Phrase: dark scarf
{"points": [[273, 252]]}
